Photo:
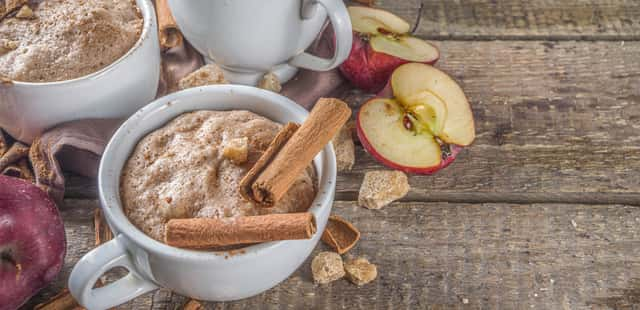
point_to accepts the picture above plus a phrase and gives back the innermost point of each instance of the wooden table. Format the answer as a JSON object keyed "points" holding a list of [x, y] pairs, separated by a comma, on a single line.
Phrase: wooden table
{"points": [[542, 211]]}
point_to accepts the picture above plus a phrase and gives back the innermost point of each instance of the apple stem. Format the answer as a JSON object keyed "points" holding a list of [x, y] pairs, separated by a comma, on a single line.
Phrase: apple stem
{"points": [[418, 19]]}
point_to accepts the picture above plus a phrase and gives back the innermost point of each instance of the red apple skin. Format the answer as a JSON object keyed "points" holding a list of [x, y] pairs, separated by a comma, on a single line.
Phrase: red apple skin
{"points": [[455, 150], [31, 235], [368, 69]]}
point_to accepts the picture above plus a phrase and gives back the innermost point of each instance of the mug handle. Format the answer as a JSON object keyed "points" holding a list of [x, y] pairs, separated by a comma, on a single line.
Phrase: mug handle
{"points": [[339, 17], [94, 264]]}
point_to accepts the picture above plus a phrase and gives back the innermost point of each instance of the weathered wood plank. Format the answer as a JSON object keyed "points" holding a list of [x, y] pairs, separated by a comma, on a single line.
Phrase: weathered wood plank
{"points": [[443, 255], [556, 122], [521, 19], [551, 118]]}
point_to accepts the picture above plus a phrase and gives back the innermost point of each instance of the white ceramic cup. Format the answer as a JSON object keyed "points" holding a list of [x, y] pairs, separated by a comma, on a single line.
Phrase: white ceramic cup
{"points": [[116, 91], [213, 276], [248, 38]]}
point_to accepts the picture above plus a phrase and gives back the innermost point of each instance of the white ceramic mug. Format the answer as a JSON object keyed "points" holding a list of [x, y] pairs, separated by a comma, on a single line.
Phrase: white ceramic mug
{"points": [[214, 276], [116, 91], [248, 38]]}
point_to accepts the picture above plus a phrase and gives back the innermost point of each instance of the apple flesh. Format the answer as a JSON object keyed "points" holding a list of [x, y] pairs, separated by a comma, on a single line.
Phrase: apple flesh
{"points": [[385, 131], [381, 43], [32, 241], [422, 127], [411, 79]]}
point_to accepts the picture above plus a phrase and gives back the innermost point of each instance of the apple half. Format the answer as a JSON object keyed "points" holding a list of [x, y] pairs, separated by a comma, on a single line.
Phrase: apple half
{"points": [[423, 126], [381, 43]]}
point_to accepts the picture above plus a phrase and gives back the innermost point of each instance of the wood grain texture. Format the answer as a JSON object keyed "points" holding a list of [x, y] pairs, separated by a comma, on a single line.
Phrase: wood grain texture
{"points": [[551, 119], [442, 255], [555, 122], [521, 19]]}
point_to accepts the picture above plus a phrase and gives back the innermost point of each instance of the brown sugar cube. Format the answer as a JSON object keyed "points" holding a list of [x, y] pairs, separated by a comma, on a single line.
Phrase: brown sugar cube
{"points": [[206, 75], [270, 82], [380, 188], [237, 150], [345, 148], [360, 271], [25, 13], [327, 267]]}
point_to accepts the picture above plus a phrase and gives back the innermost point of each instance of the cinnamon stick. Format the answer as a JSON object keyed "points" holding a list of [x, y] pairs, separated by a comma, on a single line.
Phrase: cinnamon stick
{"points": [[276, 177], [193, 305], [274, 147], [20, 170], [199, 233], [366, 2], [16, 152], [102, 230], [4, 145], [340, 234], [62, 301], [168, 31]]}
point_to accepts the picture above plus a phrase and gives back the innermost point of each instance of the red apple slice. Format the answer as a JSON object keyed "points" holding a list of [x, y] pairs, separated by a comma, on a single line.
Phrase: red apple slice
{"points": [[408, 48], [383, 131], [413, 78], [381, 43], [370, 21]]}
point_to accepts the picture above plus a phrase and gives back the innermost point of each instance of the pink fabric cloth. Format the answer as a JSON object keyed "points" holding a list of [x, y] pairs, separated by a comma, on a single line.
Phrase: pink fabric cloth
{"points": [[77, 146]]}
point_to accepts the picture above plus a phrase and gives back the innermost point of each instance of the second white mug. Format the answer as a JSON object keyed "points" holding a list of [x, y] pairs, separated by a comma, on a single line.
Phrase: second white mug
{"points": [[249, 38]]}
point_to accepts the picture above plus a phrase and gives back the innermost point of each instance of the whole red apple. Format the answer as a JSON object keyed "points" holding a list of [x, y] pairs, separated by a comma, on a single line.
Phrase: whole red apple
{"points": [[32, 241], [381, 43]]}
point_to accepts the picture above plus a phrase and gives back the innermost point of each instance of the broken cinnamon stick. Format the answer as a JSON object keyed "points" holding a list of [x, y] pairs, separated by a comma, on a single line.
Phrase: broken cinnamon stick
{"points": [[340, 234], [366, 2], [193, 305], [4, 145], [16, 152], [199, 233], [20, 170], [62, 301], [271, 181], [168, 31], [102, 230]]}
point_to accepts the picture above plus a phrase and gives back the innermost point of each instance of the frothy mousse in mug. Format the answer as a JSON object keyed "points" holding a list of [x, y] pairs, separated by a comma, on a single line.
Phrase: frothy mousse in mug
{"points": [[192, 167], [61, 40]]}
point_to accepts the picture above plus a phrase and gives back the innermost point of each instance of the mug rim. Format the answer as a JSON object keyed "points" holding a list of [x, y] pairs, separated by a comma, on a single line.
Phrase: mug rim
{"points": [[323, 199], [148, 20]]}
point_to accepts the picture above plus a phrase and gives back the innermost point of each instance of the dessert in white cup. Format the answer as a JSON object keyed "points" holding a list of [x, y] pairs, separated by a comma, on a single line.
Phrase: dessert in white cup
{"points": [[216, 276], [117, 90]]}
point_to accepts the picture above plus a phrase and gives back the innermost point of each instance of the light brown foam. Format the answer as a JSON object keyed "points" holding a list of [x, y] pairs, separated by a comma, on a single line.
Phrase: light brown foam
{"points": [[179, 171], [67, 39]]}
